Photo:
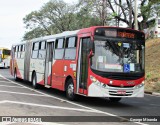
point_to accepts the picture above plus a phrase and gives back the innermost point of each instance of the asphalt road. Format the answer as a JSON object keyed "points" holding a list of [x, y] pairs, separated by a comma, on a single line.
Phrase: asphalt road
{"points": [[19, 99]]}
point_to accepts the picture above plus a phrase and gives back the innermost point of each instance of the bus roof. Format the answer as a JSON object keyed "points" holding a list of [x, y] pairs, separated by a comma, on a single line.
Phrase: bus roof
{"points": [[63, 34], [69, 33]]}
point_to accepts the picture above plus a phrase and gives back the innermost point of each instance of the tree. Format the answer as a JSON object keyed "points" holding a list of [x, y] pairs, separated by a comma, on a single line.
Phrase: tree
{"points": [[146, 10], [36, 20], [57, 16], [96, 8], [123, 10], [54, 17], [37, 32]]}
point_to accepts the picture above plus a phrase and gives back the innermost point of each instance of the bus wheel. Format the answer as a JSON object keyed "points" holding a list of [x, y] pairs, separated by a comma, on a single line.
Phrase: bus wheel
{"points": [[114, 99], [34, 81], [70, 90], [15, 75]]}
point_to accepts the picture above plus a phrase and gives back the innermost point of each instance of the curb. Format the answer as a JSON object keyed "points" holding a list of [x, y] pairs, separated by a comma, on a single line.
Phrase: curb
{"points": [[148, 92], [152, 93], [156, 93]]}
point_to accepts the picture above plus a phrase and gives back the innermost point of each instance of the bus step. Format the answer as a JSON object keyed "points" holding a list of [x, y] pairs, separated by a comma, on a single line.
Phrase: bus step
{"points": [[47, 86]]}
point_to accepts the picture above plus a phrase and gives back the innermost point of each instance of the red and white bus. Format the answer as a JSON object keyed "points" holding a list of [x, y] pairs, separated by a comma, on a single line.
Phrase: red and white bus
{"points": [[95, 62]]}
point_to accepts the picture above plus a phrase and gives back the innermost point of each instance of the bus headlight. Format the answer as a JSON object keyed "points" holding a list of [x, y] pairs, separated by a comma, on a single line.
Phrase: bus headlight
{"points": [[93, 79], [98, 83], [140, 85]]}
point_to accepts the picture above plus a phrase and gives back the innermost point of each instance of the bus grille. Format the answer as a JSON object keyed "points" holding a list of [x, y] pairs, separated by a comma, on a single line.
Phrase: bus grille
{"points": [[120, 86], [115, 94], [114, 91]]}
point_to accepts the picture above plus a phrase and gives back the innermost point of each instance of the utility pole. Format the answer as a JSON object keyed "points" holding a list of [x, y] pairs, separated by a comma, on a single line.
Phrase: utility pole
{"points": [[104, 12], [135, 15], [117, 12], [136, 24], [130, 14]]}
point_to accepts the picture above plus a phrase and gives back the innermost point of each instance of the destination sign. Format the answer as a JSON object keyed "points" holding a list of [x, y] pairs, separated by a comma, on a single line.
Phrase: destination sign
{"points": [[119, 33], [126, 35]]}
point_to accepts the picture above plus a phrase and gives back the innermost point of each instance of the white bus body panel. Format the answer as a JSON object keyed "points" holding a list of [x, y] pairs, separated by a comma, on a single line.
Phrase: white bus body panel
{"points": [[96, 90], [37, 65]]}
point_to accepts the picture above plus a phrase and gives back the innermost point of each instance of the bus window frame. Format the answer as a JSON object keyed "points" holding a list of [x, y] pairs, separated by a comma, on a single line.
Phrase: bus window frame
{"points": [[70, 48], [19, 52], [56, 48], [39, 49], [33, 49], [22, 50]]}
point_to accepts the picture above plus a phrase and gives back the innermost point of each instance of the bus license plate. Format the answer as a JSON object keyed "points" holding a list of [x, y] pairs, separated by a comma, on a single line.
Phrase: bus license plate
{"points": [[121, 92]]}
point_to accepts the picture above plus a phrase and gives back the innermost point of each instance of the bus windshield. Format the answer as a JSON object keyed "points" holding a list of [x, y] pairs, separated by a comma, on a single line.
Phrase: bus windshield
{"points": [[116, 55]]}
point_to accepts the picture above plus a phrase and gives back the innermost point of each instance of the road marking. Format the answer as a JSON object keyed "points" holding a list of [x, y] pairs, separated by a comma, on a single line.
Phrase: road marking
{"points": [[99, 111], [5, 81], [155, 105], [48, 106], [19, 93], [11, 86], [47, 95]]}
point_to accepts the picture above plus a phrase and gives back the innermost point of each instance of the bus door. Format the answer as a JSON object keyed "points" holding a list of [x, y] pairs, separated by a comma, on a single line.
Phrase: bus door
{"points": [[48, 64], [83, 60]]}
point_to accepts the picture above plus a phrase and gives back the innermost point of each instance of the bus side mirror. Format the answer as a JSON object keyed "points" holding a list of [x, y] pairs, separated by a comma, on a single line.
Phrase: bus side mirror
{"points": [[91, 48]]}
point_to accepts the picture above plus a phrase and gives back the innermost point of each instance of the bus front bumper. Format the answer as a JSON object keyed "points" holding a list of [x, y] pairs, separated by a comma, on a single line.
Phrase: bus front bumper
{"points": [[103, 90]]}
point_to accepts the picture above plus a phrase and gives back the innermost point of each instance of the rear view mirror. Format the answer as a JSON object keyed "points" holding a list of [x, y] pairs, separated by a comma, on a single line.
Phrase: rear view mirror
{"points": [[91, 48]]}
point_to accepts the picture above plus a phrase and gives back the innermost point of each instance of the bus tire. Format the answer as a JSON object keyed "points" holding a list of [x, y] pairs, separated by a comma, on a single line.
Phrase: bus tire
{"points": [[15, 75], [34, 81], [114, 99], [70, 90]]}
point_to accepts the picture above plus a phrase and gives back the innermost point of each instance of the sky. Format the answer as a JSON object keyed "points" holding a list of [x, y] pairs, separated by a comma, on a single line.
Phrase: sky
{"points": [[12, 13]]}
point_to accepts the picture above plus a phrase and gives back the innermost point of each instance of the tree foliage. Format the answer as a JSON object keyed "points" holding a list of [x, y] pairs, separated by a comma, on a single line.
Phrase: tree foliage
{"points": [[123, 10], [57, 16]]}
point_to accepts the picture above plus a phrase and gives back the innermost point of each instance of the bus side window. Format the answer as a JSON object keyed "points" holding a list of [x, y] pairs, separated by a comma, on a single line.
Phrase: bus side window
{"points": [[35, 50], [59, 49], [15, 52], [16, 49], [19, 52], [70, 48], [22, 51], [23, 48], [42, 50]]}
